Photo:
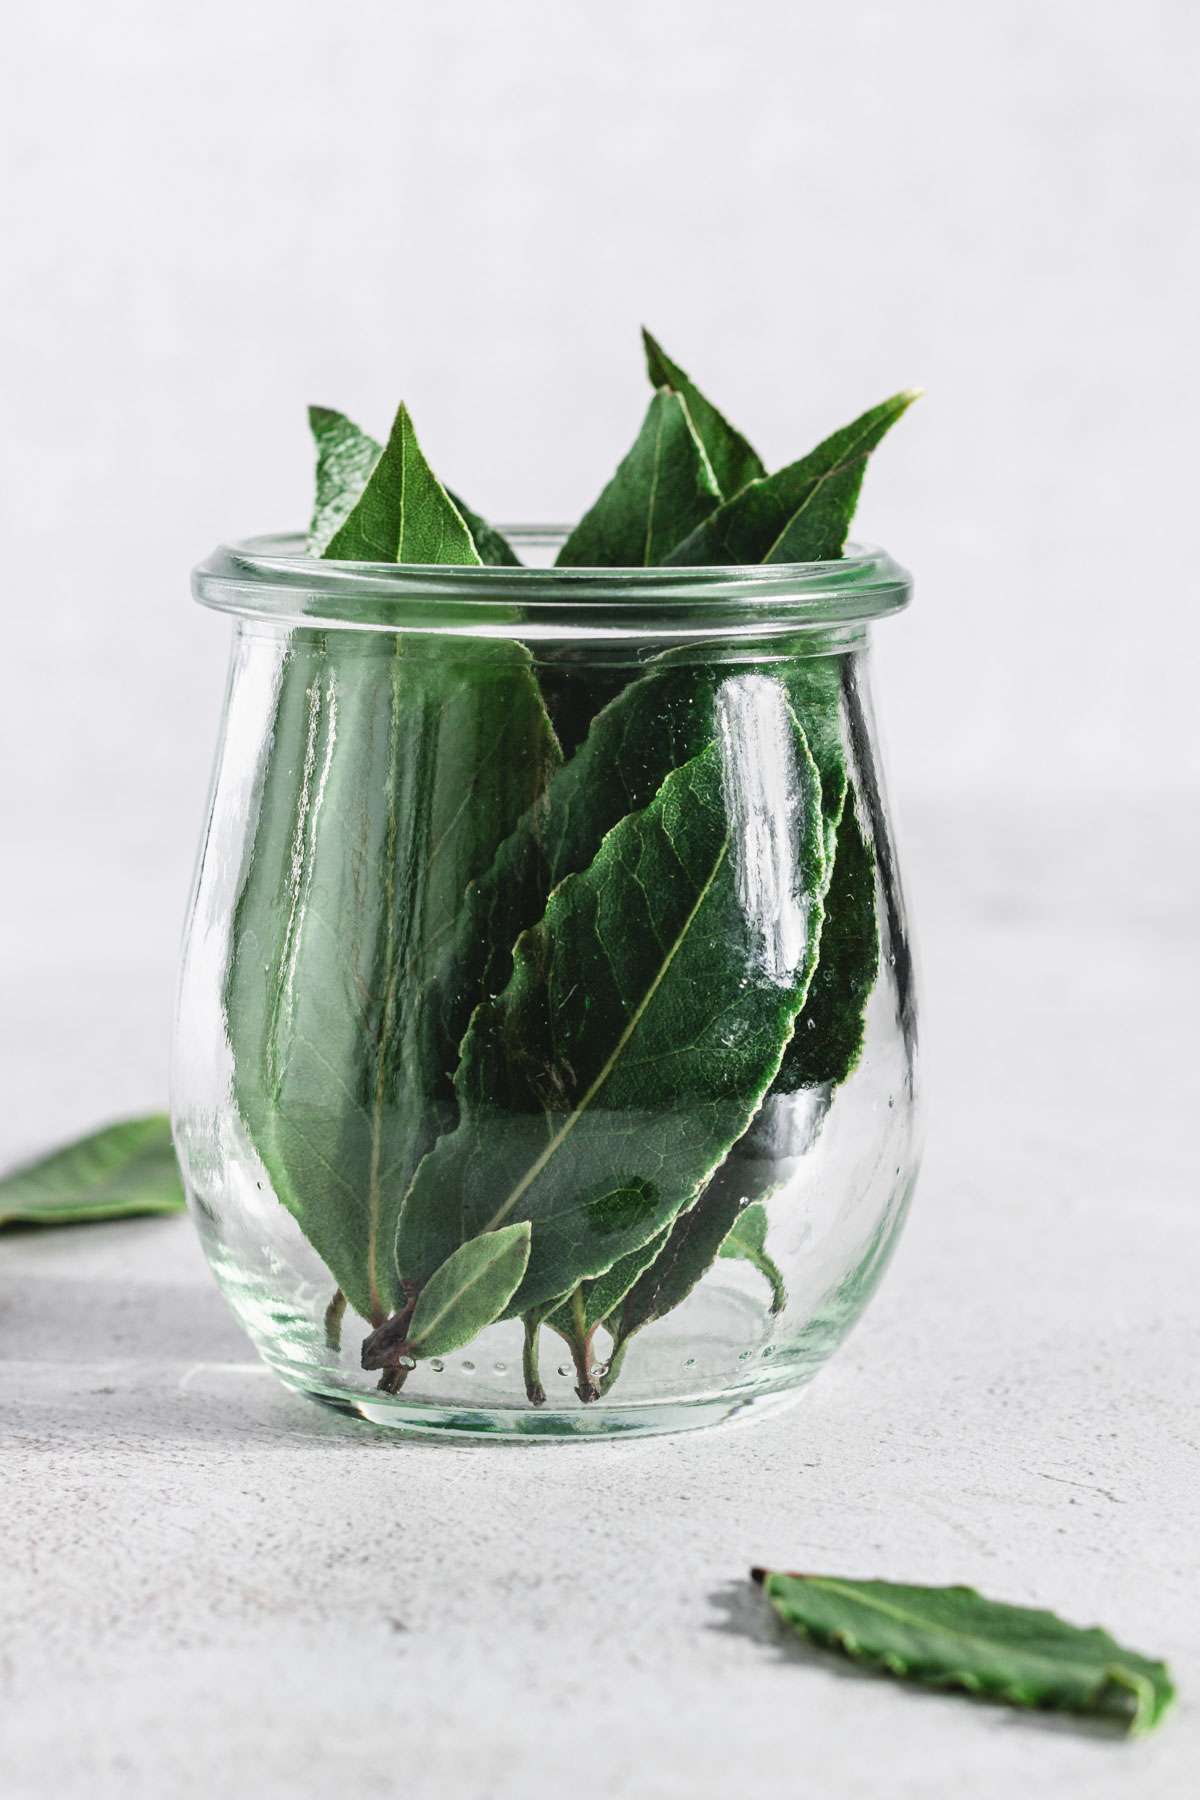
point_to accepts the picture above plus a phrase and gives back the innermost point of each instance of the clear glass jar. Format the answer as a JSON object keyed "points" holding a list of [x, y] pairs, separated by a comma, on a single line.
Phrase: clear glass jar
{"points": [[564, 897]]}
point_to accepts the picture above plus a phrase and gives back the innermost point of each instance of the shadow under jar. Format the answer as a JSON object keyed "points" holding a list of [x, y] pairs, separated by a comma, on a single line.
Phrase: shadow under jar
{"points": [[565, 897]]}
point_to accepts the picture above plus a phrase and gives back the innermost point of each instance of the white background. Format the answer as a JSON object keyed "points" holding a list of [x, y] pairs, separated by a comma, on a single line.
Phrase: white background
{"points": [[214, 214]]}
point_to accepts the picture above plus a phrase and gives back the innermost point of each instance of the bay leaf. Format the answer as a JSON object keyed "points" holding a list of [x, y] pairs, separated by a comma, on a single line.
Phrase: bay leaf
{"points": [[733, 461], [747, 1240], [801, 513], [579, 1316], [395, 767], [403, 514], [827, 1043], [471, 1289], [953, 1637], [346, 457], [660, 987], [691, 1247], [115, 1173], [662, 488], [657, 724]]}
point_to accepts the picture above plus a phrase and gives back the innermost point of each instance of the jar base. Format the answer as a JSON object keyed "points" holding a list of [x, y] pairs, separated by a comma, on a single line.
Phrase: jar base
{"points": [[515, 1425]]}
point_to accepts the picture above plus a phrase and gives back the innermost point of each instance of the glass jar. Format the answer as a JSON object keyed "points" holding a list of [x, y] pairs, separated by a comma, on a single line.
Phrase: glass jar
{"points": [[545, 1057]]}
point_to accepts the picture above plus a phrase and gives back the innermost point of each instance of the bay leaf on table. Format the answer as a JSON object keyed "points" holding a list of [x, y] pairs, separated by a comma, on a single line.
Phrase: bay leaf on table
{"points": [[734, 462], [645, 1016], [801, 513], [663, 487], [953, 1637], [117, 1172]]}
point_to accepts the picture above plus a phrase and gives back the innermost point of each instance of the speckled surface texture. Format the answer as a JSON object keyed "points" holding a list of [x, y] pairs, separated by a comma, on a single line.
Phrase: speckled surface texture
{"points": [[211, 1587]]}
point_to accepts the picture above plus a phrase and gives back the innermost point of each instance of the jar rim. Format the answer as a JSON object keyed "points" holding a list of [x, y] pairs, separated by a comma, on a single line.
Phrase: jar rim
{"points": [[272, 576]]}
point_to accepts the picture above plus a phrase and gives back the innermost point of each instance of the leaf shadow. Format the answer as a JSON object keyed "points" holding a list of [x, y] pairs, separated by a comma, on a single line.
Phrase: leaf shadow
{"points": [[749, 1615]]}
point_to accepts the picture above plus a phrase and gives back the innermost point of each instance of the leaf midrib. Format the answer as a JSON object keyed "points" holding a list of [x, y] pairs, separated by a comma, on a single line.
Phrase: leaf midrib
{"points": [[560, 1137], [914, 1620]]}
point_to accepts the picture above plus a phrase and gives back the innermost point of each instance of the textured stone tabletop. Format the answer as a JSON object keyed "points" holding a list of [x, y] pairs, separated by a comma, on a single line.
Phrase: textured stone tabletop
{"points": [[212, 1587]]}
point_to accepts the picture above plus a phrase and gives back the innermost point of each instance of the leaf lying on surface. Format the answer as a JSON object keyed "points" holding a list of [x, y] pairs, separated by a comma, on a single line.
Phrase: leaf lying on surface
{"points": [[345, 458], [733, 461], [644, 1019], [116, 1173], [748, 1241], [662, 488], [954, 1637], [802, 513]]}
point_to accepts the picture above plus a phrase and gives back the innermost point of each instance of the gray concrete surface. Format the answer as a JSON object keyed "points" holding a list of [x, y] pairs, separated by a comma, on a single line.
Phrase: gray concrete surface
{"points": [[211, 1587]]}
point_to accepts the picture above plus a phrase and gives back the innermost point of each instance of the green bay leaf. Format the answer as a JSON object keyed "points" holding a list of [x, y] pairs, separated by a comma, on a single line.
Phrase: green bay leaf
{"points": [[645, 1016], [115, 1173], [802, 513], [828, 1040], [733, 461], [395, 767], [953, 1637], [470, 1289], [692, 1245], [747, 1241], [403, 514], [346, 456], [662, 489]]}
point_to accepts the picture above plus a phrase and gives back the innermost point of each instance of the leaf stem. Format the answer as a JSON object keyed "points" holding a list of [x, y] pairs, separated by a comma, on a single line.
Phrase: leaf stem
{"points": [[335, 1312], [620, 1345], [529, 1361]]}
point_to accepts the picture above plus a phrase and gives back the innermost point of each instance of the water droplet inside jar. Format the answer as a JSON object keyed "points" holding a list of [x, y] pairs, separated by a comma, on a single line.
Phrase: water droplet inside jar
{"points": [[564, 1368], [408, 1362], [742, 1355], [469, 1367], [437, 1365], [689, 1362], [600, 1371], [500, 1368]]}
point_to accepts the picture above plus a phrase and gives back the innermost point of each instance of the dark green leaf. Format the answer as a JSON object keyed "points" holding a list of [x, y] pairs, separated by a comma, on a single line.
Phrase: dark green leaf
{"points": [[748, 1240], [593, 1301], [115, 1173], [733, 461], [691, 1247], [802, 513], [828, 1038], [645, 1017], [404, 514], [657, 724], [494, 548], [472, 1287], [395, 766], [662, 489], [345, 458], [953, 1637]]}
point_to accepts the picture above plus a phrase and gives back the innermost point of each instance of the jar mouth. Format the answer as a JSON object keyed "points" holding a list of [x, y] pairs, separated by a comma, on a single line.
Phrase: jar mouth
{"points": [[273, 577]]}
